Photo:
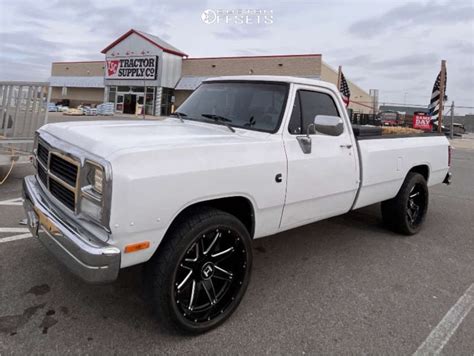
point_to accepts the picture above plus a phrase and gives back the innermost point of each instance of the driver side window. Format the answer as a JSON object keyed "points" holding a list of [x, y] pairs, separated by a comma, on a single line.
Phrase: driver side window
{"points": [[307, 105]]}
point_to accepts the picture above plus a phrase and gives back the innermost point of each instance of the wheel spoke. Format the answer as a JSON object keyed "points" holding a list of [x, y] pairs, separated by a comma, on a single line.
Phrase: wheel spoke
{"points": [[221, 273], [214, 240], [195, 247], [193, 294], [183, 282], [210, 291], [224, 253]]}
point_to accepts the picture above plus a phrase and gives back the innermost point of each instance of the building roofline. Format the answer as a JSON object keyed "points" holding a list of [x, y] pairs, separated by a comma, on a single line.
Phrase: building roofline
{"points": [[262, 56], [66, 62], [133, 31]]}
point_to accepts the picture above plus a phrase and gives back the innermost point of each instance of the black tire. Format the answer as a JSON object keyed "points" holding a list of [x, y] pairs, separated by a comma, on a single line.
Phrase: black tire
{"points": [[406, 212], [210, 252]]}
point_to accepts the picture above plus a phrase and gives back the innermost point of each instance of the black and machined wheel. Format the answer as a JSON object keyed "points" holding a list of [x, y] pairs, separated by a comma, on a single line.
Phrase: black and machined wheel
{"points": [[201, 271], [406, 212]]}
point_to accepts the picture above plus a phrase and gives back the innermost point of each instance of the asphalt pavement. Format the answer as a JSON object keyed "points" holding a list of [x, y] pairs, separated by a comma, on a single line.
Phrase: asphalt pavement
{"points": [[344, 285]]}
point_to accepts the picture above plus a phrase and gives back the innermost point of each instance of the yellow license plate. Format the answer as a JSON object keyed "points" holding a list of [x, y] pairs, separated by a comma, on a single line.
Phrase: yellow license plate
{"points": [[46, 223]]}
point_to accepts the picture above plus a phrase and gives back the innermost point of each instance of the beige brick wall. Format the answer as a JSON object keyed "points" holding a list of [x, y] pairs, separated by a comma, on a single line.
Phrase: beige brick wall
{"points": [[79, 96], [180, 96], [329, 74], [79, 69], [304, 65]]}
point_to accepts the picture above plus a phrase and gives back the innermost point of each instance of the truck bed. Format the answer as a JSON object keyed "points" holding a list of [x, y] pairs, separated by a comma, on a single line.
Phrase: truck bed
{"points": [[386, 160]]}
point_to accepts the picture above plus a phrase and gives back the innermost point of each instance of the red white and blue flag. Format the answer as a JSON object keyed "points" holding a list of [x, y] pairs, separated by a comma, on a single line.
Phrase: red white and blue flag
{"points": [[344, 90]]}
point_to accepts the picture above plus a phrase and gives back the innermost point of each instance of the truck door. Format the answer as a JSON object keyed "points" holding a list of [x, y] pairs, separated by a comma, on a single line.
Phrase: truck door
{"points": [[324, 182]]}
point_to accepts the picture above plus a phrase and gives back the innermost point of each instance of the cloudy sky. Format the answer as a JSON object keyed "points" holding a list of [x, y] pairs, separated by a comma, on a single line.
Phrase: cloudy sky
{"points": [[394, 46]]}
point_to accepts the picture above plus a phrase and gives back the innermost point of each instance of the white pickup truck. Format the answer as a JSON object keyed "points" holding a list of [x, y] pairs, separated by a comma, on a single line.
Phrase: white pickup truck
{"points": [[242, 158]]}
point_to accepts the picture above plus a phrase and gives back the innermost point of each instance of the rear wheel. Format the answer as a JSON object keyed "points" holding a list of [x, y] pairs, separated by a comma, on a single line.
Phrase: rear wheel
{"points": [[201, 271], [407, 211]]}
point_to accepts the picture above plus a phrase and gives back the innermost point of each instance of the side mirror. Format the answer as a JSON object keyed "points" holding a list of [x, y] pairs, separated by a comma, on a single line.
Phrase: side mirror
{"points": [[328, 125]]}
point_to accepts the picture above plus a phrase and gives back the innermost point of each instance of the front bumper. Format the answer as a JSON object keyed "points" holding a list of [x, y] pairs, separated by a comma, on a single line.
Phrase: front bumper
{"points": [[84, 254]]}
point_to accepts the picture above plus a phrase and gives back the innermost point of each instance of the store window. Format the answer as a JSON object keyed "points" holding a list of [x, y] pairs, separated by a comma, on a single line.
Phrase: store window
{"points": [[166, 101], [112, 93]]}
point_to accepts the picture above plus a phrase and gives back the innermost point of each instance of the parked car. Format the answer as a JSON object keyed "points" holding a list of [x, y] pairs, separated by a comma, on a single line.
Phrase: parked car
{"points": [[243, 158]]}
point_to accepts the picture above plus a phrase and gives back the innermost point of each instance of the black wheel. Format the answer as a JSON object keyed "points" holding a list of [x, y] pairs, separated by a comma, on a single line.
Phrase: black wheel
{"points": [[201, 271], [407, 211]]}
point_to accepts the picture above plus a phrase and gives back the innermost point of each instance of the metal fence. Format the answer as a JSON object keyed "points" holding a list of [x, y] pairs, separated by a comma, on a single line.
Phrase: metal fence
{"points": [[24, 108]]}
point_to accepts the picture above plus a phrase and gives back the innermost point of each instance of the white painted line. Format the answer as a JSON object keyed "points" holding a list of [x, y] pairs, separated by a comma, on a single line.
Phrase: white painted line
{"points": [[440, 335], [14, 229], [12, 202], [14, 238]]}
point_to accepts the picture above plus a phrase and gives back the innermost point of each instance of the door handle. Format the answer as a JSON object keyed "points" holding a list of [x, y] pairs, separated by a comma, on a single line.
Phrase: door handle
{"points": [[345, 146]]}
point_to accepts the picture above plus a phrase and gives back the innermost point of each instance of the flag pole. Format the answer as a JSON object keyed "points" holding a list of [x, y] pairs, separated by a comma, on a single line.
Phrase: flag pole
{"points": [[339, 71], [442, 88]]}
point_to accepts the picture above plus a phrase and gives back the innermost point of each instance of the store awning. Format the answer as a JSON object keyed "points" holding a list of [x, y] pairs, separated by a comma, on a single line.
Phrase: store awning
{"points": [[77, 82]]}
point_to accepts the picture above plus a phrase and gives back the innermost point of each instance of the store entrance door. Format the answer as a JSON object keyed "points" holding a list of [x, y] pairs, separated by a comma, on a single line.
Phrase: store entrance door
{"points": [[129, 104]]}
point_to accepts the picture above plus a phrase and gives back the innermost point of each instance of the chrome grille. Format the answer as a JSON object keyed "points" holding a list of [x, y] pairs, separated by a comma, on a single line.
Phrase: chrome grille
{"points": [[63, 169], [59, 174]]}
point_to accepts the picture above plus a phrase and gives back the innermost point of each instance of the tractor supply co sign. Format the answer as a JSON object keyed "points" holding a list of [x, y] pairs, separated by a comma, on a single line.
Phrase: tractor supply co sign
{"points": [[422, 121], [132, 68]]}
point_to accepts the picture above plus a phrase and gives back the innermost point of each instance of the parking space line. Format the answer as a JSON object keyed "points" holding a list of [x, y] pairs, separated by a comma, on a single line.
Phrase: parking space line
{"points": [[12, 202], [14, 238], [440, 335], [14, 229]]}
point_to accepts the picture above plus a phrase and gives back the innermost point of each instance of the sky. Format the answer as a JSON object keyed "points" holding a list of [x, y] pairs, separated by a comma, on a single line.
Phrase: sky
{"points": [[393, 46]]}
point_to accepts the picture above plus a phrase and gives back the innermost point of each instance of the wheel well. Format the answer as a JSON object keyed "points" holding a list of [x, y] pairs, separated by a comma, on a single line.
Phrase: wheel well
{"points": [[240, 207], [423, 169]]}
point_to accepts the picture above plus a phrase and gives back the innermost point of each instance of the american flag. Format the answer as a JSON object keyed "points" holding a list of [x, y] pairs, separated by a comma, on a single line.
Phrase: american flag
{"points": [[435, 97], [344, 90]]}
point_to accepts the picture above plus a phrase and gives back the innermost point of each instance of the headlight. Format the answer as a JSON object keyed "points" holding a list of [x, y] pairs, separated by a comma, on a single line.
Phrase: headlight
{"points": [[98, 180], [95, 178], [91, 202]]}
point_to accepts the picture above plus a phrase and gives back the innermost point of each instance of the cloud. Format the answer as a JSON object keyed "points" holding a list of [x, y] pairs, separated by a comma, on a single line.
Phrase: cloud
{"points": [[242, 31], [409, 15]]}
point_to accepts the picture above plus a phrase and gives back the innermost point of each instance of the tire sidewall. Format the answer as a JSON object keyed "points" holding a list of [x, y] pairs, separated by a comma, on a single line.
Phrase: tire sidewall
{"points": [[220, 221], [413, 180]]}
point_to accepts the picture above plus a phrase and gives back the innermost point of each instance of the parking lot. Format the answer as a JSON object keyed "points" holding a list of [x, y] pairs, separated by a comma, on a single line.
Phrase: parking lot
{"points": [[345, 285]]}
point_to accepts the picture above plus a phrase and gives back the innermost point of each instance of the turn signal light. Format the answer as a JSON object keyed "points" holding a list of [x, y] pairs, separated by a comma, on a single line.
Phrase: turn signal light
{"points": [[137, 246]]}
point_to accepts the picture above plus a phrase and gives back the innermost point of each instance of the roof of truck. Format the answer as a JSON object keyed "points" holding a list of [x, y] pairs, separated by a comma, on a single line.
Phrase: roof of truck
{"points": [[277, 78]]}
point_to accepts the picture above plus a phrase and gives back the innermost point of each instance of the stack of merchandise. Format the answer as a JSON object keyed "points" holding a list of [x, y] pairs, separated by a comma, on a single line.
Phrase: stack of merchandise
{"points": [[89, 111], [105, 109]]}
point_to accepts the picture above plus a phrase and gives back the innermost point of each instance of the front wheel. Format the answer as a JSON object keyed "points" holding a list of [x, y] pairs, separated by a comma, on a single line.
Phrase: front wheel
{"points": [[201, 271], [407, 211]]}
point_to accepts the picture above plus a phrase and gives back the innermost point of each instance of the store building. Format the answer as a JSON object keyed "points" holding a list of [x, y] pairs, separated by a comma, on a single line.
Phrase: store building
{"points": [[143, 72]]}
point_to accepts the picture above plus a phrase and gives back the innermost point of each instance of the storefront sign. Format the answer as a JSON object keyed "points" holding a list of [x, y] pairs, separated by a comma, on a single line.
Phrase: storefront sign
{"points": [[422, 121], [132, 68]]}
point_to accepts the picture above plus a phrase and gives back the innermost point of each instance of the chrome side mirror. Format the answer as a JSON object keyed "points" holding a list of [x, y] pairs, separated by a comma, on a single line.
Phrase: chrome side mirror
{"points": [[328, 125], [325, 124]]}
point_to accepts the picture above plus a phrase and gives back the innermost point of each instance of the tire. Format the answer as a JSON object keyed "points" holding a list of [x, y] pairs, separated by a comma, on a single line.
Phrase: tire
{"points": [[406, 212], [200, 272]]}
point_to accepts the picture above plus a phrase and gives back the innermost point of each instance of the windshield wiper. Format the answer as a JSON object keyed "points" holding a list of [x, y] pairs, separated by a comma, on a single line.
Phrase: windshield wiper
{"points": [[180, 115], [220, 119]]}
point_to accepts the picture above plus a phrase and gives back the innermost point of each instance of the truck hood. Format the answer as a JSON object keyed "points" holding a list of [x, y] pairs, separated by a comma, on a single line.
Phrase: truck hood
{"points": [[105, 138]]}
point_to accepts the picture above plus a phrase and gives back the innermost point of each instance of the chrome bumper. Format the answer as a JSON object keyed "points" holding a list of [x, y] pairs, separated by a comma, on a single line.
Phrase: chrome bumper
{"points": [[448, 179], [83, 254]]}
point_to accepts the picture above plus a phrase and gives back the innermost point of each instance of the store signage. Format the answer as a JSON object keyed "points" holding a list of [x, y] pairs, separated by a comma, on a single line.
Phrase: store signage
{"points": [[132, 68], [422, 121]]}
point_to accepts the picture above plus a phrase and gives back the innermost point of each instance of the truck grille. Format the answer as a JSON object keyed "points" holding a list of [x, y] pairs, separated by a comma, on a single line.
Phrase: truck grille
{"points": [[59, 174]]}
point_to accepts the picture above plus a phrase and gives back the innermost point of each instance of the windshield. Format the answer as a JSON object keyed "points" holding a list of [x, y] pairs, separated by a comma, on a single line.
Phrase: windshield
{"points": [[249, 105]]}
